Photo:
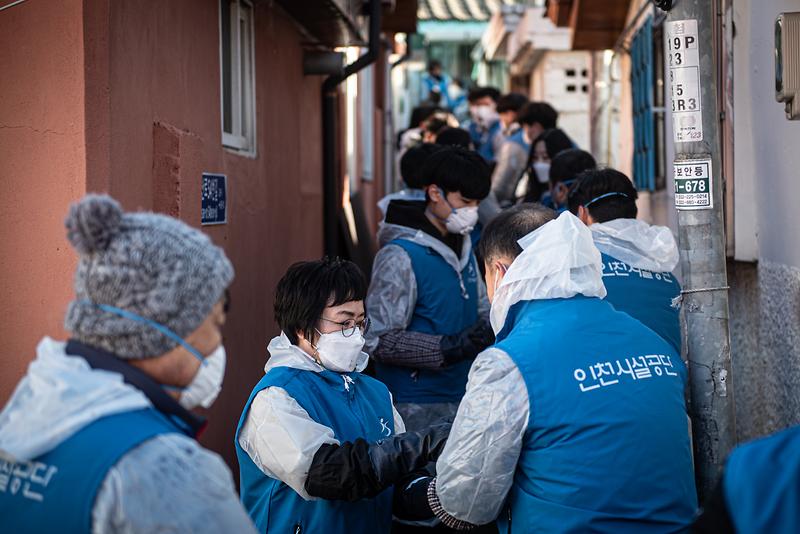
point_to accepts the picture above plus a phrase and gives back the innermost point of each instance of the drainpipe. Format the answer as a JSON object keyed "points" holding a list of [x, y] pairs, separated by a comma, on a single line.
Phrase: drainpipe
{"points": [[332, 193], [407, 55]]}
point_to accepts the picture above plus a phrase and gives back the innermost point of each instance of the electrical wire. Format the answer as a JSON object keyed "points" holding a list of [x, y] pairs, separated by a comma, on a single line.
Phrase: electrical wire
{"points": [[12, 4]]}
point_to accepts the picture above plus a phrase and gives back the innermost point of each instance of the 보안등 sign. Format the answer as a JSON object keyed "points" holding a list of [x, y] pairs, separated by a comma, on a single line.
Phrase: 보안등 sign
{"points": [[693, 184]]}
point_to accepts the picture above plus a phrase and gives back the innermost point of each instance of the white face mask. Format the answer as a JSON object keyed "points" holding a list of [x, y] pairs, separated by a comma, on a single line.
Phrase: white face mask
{"points": [[207, 383], [462, 220], [487, 115], [339, 353], [542, 170]]}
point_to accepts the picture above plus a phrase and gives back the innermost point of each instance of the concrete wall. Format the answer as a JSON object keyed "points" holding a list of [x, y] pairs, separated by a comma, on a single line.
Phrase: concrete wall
{"points": [[765, 288], [549, 83], [42, 168]]}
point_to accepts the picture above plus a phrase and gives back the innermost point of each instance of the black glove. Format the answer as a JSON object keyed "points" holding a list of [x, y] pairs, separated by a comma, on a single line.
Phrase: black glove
{"points": [[357, 470], [410, 500], [467, 343]]}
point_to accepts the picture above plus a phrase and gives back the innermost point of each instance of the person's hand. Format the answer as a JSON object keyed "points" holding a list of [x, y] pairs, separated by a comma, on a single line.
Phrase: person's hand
{"points": [[468, 343]]}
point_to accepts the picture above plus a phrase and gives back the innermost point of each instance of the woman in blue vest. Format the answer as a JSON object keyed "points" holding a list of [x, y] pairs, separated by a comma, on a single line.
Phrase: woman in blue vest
{"points": [[99, 436], [759, 490], [319, 444], [638, 258], [533, 118], [535, 182], [574, 421], [426, 301]]}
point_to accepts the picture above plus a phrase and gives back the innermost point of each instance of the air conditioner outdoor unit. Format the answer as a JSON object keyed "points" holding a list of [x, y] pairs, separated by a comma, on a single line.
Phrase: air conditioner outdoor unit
{"points": [[787, 63]]}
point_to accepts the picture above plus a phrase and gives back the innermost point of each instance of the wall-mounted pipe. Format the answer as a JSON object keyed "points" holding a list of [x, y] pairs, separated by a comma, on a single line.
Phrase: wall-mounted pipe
{"points": [[330, 173], [407, 55]]}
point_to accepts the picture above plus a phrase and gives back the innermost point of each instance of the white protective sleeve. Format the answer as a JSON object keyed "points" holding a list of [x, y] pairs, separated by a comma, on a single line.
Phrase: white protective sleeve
{"points": [[281, 438], [169, 484], [392, 294], [476, 468]]}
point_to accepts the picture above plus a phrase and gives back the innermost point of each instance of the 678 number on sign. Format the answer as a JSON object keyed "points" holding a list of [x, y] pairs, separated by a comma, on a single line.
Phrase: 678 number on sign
{"points": [[693, 185]]}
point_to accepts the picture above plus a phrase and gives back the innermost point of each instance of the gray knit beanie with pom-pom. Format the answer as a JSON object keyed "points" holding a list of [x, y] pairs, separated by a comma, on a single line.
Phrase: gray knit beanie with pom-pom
{"points": [[151, 265]]}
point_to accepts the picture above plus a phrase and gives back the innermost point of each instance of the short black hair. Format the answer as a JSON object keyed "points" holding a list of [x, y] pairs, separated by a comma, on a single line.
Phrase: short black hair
{"points": [[434, 63], [592, 185], [538, 112], [481, 92], [570, 163], [511, 102], [308, 287], [422, 113], [412, 162], [458, 169], [435, 97], [454, 137], [435, 125], [555, 141], [499, 237]]}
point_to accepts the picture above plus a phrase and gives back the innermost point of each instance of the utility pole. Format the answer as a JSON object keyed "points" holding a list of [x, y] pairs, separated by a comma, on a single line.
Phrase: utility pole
{"points": [[690, 54]]}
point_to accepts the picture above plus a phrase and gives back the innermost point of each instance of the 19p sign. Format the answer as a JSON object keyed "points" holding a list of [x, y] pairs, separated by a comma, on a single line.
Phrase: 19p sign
{"points": [[693, 184], [684, 81]]}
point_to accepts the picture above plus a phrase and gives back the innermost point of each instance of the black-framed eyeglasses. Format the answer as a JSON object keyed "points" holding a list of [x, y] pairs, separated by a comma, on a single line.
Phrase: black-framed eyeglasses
{"points": [[349, 326]]}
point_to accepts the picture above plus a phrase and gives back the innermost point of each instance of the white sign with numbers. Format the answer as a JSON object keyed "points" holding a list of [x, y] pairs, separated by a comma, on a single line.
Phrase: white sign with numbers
{"points": [[684, 81], [693, 185]]}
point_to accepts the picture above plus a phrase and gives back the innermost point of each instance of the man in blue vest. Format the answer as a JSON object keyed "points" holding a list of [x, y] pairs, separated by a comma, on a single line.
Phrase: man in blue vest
{"points": [[508, 108], [427, 304], [638, 258], [484, 124], [436, 85], [574, 421], [759, 490], [319, 444], [99, 436]]}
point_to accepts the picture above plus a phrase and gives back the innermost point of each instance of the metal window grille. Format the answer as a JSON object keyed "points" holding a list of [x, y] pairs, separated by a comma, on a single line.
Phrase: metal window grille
{"points": [[642, 82]]}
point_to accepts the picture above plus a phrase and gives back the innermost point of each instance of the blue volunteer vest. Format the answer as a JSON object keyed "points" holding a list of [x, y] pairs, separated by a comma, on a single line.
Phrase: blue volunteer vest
{"points": [[363, 409], [443, 307], [475, 235], [56, 491], [518, 137], [486, 150], [645, 296], [607, 446], [482, 139], [760, 484]]}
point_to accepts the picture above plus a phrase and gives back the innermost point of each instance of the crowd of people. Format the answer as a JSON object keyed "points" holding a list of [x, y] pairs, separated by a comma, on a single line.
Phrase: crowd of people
{"points": [[512, 365]]}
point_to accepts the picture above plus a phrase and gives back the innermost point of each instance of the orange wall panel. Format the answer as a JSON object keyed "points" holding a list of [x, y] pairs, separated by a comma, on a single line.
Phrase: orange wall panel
{"points": [[42, 169]]}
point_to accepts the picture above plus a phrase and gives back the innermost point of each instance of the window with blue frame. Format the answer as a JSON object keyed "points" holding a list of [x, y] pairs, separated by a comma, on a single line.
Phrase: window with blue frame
{"points": [[647, 85]]}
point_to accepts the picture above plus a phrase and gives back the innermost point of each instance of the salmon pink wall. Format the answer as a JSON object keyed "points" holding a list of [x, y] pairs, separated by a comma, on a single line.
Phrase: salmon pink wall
{"points": [[164, 124], [42, 170]]}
